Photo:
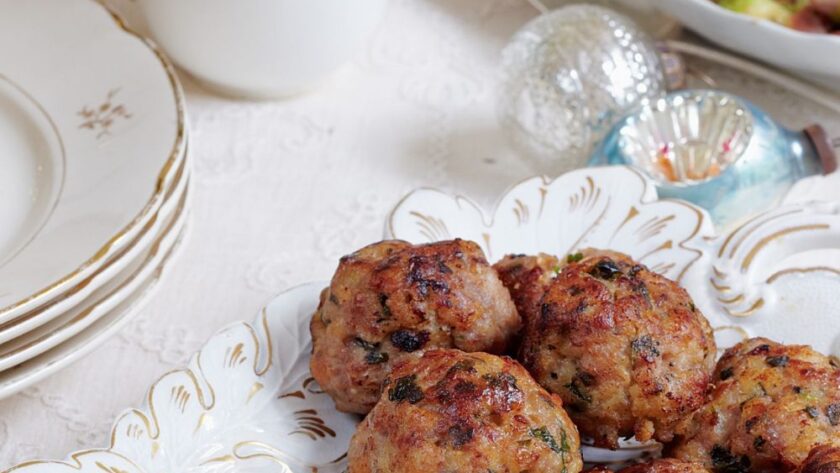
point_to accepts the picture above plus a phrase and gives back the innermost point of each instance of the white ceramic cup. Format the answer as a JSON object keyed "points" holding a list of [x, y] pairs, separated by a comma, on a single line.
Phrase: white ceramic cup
{"points": [[261, 48]]}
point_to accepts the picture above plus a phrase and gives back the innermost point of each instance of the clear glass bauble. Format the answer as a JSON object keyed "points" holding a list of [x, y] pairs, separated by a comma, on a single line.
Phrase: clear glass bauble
{"points": [[567, 76]]}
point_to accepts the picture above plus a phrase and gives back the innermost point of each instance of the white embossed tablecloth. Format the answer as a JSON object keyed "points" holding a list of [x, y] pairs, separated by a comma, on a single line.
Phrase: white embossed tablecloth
{"points": [[282, 189]]}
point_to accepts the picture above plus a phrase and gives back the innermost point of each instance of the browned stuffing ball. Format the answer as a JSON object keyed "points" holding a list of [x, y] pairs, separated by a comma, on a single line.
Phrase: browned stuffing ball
{"points": [[451, 411], [391, 300], [662, 465], [624, 347], [771, 405], [526, 278], [822, 459]]}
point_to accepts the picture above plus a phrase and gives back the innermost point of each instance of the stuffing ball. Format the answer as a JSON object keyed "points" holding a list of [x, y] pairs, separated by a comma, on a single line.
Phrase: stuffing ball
{"points": [[392, 300], [624, 347], [527, 278], [662, 465], [822, 459], [451, 411], [770, 406]]}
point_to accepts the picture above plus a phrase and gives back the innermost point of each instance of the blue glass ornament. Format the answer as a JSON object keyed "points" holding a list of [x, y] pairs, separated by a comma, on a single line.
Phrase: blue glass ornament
{"points": [[716, 150]]}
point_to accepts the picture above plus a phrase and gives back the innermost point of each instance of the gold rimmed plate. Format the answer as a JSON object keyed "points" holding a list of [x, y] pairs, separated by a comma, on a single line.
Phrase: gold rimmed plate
{"points": [[104, 316], [93, 133], [35, 332]]}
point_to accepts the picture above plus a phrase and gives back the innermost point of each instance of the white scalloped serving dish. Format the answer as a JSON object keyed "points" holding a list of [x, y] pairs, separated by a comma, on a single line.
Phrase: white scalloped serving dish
{"points": [[612, 207], [775, 275], [247, 403]]}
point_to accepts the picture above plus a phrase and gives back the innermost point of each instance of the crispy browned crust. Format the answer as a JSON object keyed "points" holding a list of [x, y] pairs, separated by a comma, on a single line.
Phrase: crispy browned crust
{"points": [[451, 411], [665, 465], [392, 300], [661, 465], [527, 278], [771, 405], [822, 459], [624, 347]]}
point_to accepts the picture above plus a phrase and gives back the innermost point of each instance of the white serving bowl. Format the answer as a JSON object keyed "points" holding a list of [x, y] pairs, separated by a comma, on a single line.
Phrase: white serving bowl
{"points": [[813, 56], [261, 48]]}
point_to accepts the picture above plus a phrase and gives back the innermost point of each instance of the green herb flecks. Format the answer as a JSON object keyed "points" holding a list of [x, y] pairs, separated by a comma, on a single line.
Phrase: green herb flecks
{"points": [[373, 356], [562, 448], [543, 434], [605, 269], [777, 361], [406, 389], [385, 311], [645, 347], [578, 391], [833, 413], [376, 357], [725, 462]]}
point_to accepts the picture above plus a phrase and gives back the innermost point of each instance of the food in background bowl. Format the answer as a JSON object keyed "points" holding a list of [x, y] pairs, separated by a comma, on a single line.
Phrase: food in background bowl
{"points": [[813, 16]]}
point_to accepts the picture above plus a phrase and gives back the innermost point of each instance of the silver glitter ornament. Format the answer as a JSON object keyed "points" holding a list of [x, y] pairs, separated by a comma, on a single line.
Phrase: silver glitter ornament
{"points": [[567, 76]]}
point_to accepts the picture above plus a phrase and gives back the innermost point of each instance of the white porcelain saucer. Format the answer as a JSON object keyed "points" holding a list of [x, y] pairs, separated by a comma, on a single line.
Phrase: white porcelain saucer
{"points": [[92, 135]]}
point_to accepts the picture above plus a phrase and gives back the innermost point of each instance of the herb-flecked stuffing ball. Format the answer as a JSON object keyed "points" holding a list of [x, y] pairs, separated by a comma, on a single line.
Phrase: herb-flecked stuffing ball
{"points": [[527, 278], [451, 411], [771, 405], [625, 348], [392, 300]]}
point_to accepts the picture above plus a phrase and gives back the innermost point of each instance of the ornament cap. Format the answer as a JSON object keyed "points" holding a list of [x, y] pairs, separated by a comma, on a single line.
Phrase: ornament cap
{"points": [[825, 151]]}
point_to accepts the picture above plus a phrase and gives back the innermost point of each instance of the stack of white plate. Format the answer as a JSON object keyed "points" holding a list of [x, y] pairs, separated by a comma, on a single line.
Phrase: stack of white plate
{"points": [[94, 180]]}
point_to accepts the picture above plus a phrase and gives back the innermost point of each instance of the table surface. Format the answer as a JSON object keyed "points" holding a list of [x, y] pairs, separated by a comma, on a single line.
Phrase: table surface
{"points": [[282, 189]]}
